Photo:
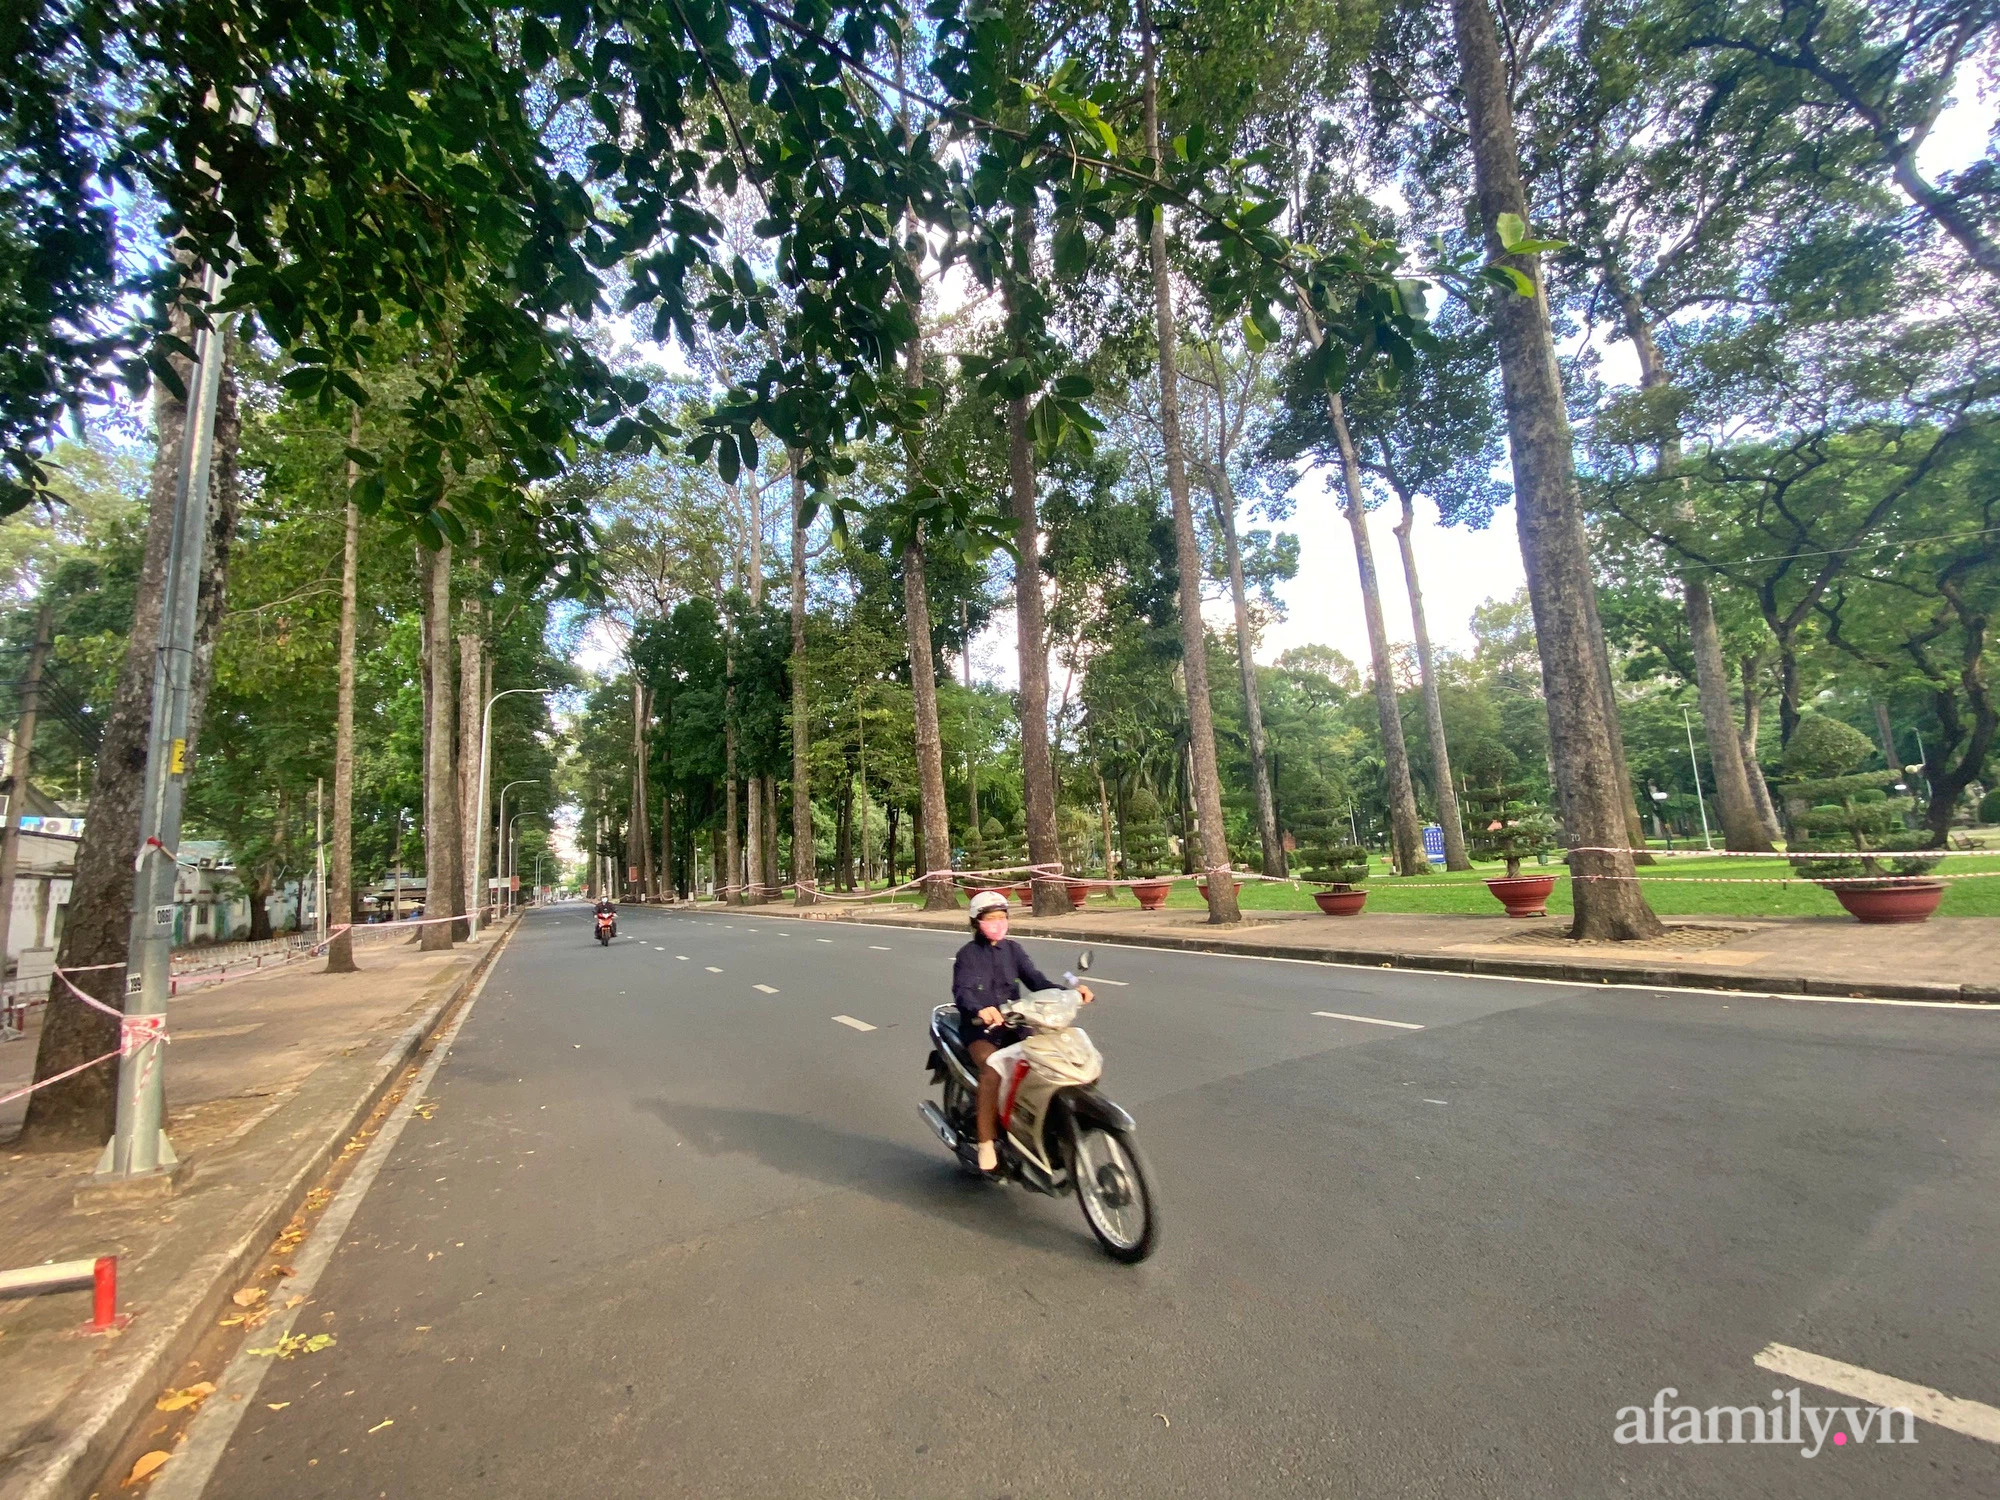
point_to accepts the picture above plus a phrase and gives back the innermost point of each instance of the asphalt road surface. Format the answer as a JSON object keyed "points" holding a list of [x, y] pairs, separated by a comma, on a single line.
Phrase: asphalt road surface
{"points": [[675, 1230]]}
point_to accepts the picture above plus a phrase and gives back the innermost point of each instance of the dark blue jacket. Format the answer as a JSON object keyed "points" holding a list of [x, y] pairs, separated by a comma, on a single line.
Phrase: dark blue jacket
{"points": [[988, 974]]}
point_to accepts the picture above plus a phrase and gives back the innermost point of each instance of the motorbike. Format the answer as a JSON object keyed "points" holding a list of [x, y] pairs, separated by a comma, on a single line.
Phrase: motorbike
{"points": [[607, 927], [1058, 1133]]}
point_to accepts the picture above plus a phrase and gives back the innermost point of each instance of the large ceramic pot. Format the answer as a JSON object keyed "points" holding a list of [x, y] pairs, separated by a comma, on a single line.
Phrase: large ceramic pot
{"points": [[1525, 895], [1898, 901], [1079, 892], [1152, 894], [1342, 901]]}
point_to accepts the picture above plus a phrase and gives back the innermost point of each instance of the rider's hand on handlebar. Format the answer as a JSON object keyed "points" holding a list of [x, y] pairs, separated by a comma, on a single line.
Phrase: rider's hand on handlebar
{"points": [[1083, 993], [991, 1016]]}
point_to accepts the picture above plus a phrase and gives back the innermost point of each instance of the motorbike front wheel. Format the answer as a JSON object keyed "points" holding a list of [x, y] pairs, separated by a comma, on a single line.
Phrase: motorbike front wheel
{"points": [[1116, 1197]]}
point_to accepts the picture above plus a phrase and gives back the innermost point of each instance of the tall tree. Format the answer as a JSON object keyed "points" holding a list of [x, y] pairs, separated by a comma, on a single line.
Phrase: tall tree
{"points": [[1554, 548], [444, 893], [96, 938], [1244, 379], [1220, 883], [340, 952]]}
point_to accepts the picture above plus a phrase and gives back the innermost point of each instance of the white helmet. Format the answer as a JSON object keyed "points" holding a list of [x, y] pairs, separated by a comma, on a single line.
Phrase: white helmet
{"points": [[987, 901]]}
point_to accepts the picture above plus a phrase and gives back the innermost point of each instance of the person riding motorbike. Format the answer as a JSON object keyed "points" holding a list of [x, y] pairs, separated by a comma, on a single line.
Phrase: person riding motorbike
{"points": [[985, 976], [606, 907]]}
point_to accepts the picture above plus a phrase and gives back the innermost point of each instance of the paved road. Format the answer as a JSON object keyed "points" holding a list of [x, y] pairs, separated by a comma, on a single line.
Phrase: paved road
{"points": [[672, 1234]]}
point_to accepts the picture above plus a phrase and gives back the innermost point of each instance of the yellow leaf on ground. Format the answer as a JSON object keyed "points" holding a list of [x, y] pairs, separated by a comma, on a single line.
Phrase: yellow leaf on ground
{"points": [[380, 1425], [277, 1405], [194, 1395], [249, 1296], [147, 1463]]}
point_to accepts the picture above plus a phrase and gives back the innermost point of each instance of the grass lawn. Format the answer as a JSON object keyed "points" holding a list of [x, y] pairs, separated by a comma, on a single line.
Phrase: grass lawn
{"points": [[1676, 887], [1671, 886]]}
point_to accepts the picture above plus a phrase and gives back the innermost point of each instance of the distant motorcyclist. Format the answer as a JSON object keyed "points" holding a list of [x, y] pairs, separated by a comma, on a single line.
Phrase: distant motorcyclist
{"points": [[606, 907], [986, 975]]}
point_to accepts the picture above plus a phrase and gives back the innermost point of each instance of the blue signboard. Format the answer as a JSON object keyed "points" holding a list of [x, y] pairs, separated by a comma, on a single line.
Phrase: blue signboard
{"points": [[1434, 843]]}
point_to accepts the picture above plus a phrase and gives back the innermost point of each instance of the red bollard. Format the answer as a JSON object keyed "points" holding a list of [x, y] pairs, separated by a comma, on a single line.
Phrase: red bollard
{"points": [[104, 1294]]}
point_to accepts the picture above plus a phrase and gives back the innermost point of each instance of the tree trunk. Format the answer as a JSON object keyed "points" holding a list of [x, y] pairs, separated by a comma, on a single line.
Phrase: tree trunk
{"points": [[473, 810], [805, 852], [443, 889], [1037, 768], [1753, 769], [1406, 829], [1742, 828], [639, 827], [1554, 548], [20, 771], [1104, 814], [843, 836], [1455, 857], [669, 886], [1187, 551], [340, 951], [259, 896], [79, 1110], [935, 832], [774, 871], [1886, 737], [1269, 845]]}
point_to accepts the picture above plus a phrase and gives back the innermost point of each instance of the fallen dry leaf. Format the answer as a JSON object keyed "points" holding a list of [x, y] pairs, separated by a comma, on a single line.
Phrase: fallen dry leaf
{"points": [[294, 1344], [147, 1463], [380, 1425], [181, 1400], [277, 1405], [249, 1296], [280, 1272]]}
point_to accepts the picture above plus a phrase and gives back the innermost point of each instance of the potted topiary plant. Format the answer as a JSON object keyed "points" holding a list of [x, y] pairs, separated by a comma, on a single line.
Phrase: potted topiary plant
{"points": [[1505, 824], [1835, 809], [1146, 849], [1329, 857]]}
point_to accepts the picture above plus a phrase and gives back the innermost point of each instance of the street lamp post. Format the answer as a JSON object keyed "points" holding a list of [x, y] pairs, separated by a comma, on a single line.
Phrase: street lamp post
{"points": [[500, 825], [1695, 766], [485, 763], [513, 858]]}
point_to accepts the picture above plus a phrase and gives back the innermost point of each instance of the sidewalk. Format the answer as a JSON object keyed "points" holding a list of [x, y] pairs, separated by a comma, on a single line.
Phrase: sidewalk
{"points": [[267, 1076], [1946, 958]]}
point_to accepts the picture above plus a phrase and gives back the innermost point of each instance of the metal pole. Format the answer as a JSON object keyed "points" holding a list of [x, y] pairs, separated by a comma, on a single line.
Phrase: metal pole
{"points": [[319, 856], [499, 838], [18, 772], [139, 1147], [1706, 841], [485, 762]]}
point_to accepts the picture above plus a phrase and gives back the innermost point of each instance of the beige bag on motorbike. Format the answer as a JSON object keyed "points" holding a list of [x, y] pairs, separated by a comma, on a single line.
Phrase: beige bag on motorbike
{"points": [[1064, 1057]]}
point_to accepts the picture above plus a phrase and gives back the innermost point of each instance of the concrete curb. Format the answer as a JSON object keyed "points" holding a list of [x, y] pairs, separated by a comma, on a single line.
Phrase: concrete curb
{"points": [[307, 1133], [1452, 963]]}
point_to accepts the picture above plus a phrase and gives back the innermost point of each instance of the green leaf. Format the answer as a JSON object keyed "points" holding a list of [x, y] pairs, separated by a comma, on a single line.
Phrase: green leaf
{"points": [[1253, 336], [1507, 278], [1072, 251], [1511, 229]]}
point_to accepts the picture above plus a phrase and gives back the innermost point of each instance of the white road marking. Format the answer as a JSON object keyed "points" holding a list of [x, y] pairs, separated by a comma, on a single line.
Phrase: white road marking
{"points": [[822, 940], [857, 1025], [1338, 1015], [872, 947], [713, 970], [681, 956], [764, 988], [1973, 1418], [1437, 1101], [1123, 984]]}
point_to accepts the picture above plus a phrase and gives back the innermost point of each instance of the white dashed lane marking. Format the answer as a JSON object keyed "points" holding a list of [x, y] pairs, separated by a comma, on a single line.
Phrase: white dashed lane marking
{"points": [[822, 940], [857, 1025], [713, 970], [1123, 984], [1973, 1418], [1335, 1015], [682, 957], [764, 989], [872, 947]]}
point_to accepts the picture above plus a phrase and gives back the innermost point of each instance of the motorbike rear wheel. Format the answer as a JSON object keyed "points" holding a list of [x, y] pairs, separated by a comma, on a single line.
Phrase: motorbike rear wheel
{"points": [[1111, 1186]]}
